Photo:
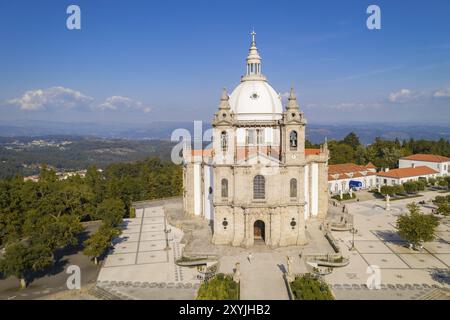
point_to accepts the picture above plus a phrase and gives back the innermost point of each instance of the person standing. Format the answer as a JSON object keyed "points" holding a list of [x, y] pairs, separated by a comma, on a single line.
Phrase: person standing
{"points": [[249, 257]]}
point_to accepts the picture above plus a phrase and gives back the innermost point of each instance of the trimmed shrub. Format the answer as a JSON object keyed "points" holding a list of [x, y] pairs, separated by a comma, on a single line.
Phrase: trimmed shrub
{"points": [[308, 287], [345, 196], [221, 287]]}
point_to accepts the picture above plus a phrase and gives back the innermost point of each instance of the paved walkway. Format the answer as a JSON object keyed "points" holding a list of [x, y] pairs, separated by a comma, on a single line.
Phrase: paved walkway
{"points": [[262, 279], [404, 273], [140, 265]]}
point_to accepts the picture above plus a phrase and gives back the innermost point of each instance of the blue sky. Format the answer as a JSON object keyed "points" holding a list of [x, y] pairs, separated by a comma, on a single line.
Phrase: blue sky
{"points": [[141, 61]]}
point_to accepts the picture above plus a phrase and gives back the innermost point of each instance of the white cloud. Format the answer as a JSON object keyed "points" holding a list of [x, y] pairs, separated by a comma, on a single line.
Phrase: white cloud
{"points": [[51, 98], [123, 103], [402, 96], [442, 93]]}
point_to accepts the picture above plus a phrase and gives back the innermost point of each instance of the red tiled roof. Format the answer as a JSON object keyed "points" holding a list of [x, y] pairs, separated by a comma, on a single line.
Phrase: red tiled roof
{"points": [[349, 170], [407, 172], [370, 165], [346, 168], [312, 152], [427, 158]]}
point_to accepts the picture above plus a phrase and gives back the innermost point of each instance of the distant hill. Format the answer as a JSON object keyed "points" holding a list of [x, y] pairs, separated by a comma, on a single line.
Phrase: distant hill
{"points": [[67, 153], [162, 130]]}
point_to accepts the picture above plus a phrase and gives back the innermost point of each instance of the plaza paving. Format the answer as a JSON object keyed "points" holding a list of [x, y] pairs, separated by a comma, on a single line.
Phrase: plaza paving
{"points": [[142, 262], [377, 243], [140, 268]]}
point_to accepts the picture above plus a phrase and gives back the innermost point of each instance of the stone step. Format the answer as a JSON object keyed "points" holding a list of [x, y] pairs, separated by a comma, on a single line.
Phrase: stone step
{"points": [[103, 294], [435, 294]]}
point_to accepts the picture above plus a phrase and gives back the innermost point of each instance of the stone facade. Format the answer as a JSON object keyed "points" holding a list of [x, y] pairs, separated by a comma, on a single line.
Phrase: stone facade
{"points": [[258, 182]]}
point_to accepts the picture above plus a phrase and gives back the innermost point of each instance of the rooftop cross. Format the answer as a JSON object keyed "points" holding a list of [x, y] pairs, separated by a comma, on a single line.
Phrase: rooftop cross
{"points": [[253, 36]]}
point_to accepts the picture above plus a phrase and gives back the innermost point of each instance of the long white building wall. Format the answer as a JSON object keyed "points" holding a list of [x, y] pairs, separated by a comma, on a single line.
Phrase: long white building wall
{"points": [[442, 167], [208, 208], [336, 186], [395, 181], [307, 206], [314, 189], [197, 190]]}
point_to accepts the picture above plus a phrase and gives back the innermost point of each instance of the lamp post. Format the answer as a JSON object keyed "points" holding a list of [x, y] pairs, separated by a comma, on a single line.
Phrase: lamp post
{"points": [[167, 231], [353, 231]]}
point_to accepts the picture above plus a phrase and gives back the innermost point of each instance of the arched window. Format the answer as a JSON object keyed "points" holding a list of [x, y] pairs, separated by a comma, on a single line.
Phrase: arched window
{"points": [[259, 187], [224, 140], [293, 188], [224, 188], [293, 140]]}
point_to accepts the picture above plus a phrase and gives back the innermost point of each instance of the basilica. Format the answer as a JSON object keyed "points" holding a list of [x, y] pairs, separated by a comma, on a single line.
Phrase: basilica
{"points": [[257, 183]]}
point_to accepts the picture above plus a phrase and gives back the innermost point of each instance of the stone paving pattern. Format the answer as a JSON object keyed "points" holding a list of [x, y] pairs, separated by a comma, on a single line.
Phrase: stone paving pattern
{"points": [[405, 273], [140, 266]]}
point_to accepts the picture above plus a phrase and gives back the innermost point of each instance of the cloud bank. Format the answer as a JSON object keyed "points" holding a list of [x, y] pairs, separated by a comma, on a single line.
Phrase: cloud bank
{"points": [[55, 97], [63, 99]]}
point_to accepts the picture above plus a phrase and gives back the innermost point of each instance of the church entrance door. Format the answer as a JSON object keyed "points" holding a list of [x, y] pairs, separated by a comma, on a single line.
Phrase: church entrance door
{"points": [[259, 230]]}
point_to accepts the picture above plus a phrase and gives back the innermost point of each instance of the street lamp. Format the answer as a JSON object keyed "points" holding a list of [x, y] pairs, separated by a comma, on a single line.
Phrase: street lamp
{"points": [[167, 231], [353, 231]]}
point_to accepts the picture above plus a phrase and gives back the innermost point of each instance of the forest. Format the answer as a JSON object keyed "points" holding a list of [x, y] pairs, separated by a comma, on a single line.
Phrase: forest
{"points": [[39, 218], [382, 153], [71, 153]]}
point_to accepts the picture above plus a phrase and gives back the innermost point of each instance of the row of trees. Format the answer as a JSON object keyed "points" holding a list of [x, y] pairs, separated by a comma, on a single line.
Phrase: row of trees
{"points": [[412, 187], [39, 218], [408, 187], [382, 153]]}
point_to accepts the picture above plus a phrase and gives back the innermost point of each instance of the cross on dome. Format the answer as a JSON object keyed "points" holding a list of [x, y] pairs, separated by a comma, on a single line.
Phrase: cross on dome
{"points": [[253, 59], [253, 36]]}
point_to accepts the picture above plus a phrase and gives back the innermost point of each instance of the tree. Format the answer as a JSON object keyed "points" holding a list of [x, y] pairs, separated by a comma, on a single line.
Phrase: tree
{"points": [[391, 190], [340, 153], [432, 181], [352, 140], [416, 227], [99, 242], [111, 211], [442, 182], [411, 187], [20, 258], [444, 209], [52, 232]]}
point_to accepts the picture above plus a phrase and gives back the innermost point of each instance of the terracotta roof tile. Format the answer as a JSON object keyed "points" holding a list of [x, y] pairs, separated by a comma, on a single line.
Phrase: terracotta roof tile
{"points": [[427, 157], [312, 152], [349, 171], [407, 172]]}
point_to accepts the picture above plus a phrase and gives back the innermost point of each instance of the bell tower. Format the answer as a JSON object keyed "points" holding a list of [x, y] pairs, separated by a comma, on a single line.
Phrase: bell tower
{"points": [[223, 132], [293, 132]]}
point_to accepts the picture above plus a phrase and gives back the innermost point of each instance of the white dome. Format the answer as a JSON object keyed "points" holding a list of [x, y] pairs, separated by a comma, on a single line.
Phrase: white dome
{"points": [[256, 100]]}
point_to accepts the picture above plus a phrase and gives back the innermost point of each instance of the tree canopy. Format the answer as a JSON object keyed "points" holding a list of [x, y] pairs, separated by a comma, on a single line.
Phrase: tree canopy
{"points": [[37, 218], [417, 227]]}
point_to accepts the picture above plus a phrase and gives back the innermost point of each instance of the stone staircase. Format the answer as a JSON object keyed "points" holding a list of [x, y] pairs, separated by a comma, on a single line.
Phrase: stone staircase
{"points": [[103, 294], [436, 294]]}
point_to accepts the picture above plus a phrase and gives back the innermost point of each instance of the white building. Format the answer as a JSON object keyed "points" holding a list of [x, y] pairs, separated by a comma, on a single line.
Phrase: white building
{"points": [[438, 163], [341, 176], [257, 183], [402, 175]]}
